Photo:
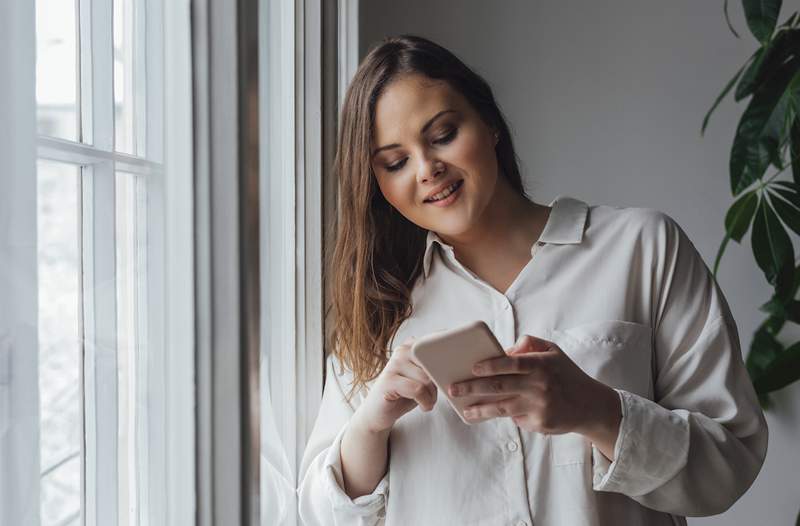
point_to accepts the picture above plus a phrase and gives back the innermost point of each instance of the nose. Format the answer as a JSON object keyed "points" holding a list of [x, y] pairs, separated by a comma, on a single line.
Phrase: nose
{"points": [[429, 168]]}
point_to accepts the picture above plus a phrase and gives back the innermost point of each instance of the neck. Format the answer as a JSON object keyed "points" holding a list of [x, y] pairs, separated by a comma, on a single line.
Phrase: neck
{"points": [[510, 225]]}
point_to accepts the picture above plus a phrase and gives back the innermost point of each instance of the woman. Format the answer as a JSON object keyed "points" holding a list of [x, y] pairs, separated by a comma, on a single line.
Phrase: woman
{"points": [[628, 402]]}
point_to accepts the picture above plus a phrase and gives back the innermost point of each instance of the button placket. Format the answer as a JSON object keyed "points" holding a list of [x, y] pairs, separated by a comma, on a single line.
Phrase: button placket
{"points": [[515, 470]]}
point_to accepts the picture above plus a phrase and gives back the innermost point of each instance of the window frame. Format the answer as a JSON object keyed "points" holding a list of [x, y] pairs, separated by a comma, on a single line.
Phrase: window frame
{"points": [[307, 74], [95, 154]]}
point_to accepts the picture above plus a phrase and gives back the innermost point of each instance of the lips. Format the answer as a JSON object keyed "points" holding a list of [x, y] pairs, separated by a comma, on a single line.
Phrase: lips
{"points": [[455, 184]]}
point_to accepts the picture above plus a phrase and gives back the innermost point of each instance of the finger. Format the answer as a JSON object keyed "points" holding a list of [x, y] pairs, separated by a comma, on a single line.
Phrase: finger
{"points": [[511, 407], [499, 384], [413, 390], [524, 363], [410, 369], [528, 344]]}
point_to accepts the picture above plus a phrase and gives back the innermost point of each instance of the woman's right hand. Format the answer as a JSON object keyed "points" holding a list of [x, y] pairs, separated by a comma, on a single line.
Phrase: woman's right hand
{"points": [[401, 386]]}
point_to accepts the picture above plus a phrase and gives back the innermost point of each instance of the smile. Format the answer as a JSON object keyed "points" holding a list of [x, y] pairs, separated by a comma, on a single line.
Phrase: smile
{"points": [[448, 195]]}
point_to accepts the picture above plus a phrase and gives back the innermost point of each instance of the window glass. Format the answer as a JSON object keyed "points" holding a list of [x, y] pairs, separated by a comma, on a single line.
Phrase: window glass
{"points": [[57, 69], [125, 92], [60, 341]]}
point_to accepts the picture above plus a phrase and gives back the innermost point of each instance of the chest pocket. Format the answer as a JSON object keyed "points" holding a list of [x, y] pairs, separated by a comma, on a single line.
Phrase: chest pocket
{"points": [[617, 353]]}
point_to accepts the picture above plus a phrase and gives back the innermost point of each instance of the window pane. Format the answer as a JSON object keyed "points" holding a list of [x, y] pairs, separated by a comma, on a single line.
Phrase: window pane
{"points": [[131, 337], [57, 68], [128, 56], [60, 341]]}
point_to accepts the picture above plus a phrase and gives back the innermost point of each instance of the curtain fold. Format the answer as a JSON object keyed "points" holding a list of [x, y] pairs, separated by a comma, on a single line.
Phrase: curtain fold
{"points": [[19, 394]]}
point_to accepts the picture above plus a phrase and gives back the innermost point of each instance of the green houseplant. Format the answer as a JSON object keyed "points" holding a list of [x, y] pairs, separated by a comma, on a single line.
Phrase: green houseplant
{"points": [[768, 136]]}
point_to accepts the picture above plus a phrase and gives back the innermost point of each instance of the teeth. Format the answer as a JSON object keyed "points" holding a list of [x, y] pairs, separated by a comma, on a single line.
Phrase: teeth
{"points": [[444, 193]]}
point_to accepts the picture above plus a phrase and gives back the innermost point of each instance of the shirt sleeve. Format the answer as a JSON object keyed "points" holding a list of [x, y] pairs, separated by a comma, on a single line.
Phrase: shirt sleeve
{"points": [[700, 443], [321, 497]]}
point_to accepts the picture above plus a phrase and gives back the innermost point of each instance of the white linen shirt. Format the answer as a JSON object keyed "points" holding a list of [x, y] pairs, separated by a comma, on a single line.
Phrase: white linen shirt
{"points": [[625, 294]]}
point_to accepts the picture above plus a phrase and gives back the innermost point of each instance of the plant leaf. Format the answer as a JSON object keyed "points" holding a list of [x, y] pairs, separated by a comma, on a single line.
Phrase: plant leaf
{"points": [[725, 92], [794, 143], [763, 350], [765, 401], [728, 20], [740, 214], [749, 159], [790, 21], [773, 249], [792, 195], [761, 15], [788, 213], [783, 369], [767, 59]]}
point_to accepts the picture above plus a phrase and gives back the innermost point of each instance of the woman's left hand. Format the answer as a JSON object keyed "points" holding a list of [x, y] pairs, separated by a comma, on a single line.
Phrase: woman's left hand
{"points": [[547, 393]]}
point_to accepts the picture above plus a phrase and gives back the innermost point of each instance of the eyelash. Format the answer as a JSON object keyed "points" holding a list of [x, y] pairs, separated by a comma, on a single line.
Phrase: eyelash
{"points": [[444, 140]]}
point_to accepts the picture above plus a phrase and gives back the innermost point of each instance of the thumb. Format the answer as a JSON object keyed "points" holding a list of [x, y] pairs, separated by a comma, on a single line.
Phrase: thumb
{"points": [[529, 344]]}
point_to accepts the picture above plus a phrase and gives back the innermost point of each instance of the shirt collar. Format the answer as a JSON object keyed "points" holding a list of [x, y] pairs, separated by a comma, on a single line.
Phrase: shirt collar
{"points": [[565, 225]]}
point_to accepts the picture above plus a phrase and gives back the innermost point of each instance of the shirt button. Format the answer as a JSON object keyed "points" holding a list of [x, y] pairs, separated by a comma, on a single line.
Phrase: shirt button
{"points": [[522, 523], [512, 446], [506, 306]]}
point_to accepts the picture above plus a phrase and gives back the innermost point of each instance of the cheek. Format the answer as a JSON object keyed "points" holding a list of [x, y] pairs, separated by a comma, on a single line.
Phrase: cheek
{"points": [[398, 192], [474, 156]]}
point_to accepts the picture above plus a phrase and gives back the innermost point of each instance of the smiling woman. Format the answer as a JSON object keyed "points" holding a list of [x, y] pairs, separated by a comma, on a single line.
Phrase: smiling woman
{"points": [[617, 411]]}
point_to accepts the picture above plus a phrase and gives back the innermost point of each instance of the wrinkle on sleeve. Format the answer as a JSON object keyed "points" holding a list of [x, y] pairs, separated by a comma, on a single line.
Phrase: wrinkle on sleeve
{"points": [[700, 443], [321, 497]]}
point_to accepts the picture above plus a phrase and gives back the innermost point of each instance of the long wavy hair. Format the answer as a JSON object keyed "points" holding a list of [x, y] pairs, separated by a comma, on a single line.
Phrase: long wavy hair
{"points": [[377, 253]]}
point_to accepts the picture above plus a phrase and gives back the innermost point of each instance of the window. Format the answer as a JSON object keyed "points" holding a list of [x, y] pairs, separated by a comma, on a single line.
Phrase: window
{"points": [[98, 97]]}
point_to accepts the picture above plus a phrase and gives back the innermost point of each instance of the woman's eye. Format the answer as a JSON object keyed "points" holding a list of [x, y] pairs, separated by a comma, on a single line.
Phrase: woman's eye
{"points": [[447, 138], [443, 140], [396, 166]]}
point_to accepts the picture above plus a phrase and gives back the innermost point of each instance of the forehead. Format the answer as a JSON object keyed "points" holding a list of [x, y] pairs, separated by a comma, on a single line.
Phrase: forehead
{"points": [[408, 102]]}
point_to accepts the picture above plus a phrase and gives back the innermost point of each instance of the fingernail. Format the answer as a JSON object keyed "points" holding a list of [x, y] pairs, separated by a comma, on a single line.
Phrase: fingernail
{"points": [[455, 390]]}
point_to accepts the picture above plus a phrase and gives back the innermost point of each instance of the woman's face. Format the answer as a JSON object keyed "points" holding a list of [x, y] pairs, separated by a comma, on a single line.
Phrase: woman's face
{"points": [[426, 138]]}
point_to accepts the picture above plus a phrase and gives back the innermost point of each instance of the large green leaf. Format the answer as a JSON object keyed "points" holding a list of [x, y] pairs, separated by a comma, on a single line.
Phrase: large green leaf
{"points": [[785, 310], [783, 369], [740, 214], [773, 249], [776, 130], [787, 212], [767, 59], [781, 309], [749, 158], [761, 15]]}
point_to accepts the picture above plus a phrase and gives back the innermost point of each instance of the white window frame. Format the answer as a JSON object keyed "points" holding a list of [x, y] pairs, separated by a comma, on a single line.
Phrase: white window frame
{"points": [[167, 430], [297, 106], [300, 201]]}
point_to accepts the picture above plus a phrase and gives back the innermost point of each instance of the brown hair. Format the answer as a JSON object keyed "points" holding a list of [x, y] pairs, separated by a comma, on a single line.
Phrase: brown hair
{"points": [[377, 252]]}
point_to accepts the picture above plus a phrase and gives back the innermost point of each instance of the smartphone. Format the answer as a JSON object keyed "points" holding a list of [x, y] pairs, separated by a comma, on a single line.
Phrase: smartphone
{"points": [[448, 356]]}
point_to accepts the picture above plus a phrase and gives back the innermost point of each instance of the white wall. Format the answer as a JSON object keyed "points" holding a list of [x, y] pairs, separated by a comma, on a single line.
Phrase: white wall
{"points": [[605, 103]]}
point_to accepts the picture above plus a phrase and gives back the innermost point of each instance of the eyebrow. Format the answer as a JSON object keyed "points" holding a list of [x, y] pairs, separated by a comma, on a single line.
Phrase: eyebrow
{"points": [[424, 129]]}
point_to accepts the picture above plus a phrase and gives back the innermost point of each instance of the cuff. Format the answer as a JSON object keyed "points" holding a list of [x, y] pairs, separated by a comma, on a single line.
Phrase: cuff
{"points": [[363, 505], [651, 447]]}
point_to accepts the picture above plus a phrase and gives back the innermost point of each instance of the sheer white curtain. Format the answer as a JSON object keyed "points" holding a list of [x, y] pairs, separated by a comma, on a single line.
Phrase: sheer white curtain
{"points": [[19, 400]]}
